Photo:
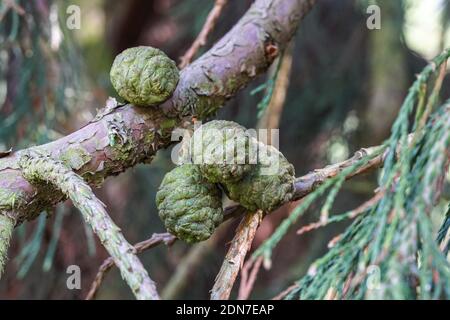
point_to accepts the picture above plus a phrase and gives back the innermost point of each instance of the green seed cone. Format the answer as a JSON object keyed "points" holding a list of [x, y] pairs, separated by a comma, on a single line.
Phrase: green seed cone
{"points": [[267, 186], [189, 205], [221, 149], [144, 76]]}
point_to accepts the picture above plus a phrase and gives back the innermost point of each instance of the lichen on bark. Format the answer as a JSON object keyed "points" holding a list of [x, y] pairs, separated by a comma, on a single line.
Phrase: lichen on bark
{"points": [[204, 87], [8, 199], [75, 157], [39, 168], [6, 229]]}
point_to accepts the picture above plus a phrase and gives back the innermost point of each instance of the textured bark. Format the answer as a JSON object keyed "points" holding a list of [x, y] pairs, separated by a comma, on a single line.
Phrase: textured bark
{"points": [[156, 239], [40, 169], [6, 229], [234, 259], [122, 136]]}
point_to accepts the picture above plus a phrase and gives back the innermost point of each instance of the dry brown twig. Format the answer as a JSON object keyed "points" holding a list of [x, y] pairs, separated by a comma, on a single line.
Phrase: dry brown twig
{"points": [[202, 37], [186, 267], [12, 5], [303, 186], [433, 97], [270, 120], [285, 292], [234, 259], [244, 63], [352, 214], [156, 239], [249, 273]]}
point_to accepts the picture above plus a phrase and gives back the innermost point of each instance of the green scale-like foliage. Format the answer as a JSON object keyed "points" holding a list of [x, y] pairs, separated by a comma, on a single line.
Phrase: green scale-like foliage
{"points": [[389, 251], [6, 229]]}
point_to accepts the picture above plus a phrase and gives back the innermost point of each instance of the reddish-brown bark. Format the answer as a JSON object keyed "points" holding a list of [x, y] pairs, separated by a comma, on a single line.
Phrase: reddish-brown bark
{"points": [[125, 135]]}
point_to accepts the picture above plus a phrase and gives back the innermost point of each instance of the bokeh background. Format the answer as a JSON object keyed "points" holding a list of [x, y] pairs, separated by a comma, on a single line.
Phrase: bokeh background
{"points": [[345, 86]]}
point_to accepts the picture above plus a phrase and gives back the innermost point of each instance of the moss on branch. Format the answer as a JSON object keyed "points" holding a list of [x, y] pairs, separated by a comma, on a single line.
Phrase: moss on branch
{"points": [[40, 168], [6, 229]]}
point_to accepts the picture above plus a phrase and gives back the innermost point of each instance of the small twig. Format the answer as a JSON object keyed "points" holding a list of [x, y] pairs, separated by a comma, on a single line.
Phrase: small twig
{"points": [[234, 259], [303, 186], [437, 85], [190, 262], [248, 278], [11, 4], [202, 37], [347, 284], [308, 183], [350, 215], [270, 120], [186, 268], [156, 239], [41, 168], [6, 229], [423, 111], [230, 212], [277, 93], [433, 97], [333, 241], [331, 294], [285, 292]]}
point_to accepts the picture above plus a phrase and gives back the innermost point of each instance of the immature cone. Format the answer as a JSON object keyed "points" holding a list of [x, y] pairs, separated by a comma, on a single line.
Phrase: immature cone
{"points": [[144, 76], [190, 206], [267, 186], [221, 149]]}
